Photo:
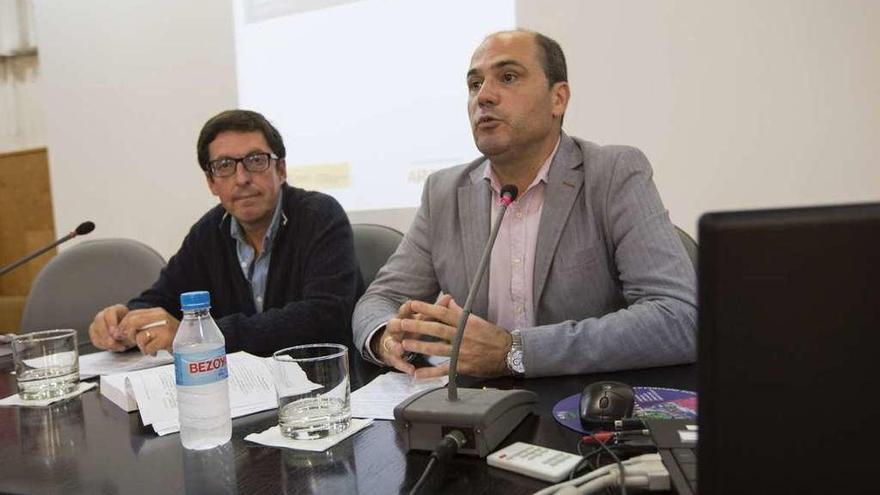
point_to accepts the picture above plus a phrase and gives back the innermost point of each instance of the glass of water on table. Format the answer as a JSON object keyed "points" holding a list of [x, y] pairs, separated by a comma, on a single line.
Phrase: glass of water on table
{"points": [[46, 364], [312, 382]]}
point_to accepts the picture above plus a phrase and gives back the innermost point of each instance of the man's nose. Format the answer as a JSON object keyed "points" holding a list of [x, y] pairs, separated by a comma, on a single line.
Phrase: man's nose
{"points": [[242, 176], [488, 93]]}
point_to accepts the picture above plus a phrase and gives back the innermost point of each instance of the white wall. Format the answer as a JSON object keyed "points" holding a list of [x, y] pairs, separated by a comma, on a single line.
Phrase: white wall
{"points": [[127, 87], [22, 125], [737, 104]]}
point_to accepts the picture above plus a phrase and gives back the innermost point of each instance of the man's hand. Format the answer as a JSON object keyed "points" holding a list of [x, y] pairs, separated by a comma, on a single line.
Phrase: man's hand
{"points": [[104, 330], [151, 340], [483, 350], [386, 345]]}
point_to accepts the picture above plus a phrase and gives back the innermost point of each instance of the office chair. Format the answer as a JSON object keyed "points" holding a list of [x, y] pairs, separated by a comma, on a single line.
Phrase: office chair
{"points": [[86, 278], [690, 245], [373, 245]]}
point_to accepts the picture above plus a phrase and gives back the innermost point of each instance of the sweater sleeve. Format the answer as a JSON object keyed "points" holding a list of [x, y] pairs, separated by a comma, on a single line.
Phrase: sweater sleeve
{"points": [[330, 285], [180, 275]]}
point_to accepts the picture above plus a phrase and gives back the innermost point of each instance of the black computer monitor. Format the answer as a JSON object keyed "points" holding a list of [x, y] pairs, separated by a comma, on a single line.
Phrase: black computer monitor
{"points": [[789, 351]]}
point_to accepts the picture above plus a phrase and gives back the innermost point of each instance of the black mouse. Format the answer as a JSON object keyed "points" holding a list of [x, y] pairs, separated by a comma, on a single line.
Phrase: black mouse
{"points": [[602, 403]]}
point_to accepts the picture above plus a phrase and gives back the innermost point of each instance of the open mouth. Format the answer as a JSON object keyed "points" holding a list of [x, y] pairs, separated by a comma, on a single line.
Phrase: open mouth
{"points": [[487, 121]]}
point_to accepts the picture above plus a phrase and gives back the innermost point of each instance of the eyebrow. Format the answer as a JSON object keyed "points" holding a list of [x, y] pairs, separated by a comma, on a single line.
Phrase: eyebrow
{"points": [[249, 153], [498, 65]]}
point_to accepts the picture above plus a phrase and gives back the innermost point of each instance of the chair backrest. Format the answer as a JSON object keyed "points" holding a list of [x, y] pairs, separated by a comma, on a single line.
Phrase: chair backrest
{"points": [[690, 245], [86, 278], [373, 245]]}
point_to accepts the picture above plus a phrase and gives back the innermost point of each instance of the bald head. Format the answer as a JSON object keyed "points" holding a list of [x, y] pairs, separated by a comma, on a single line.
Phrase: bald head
{"points": [[549, 53]]}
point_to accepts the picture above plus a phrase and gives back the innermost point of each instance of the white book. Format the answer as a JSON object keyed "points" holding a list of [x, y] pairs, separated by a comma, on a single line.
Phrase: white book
{"points": [[152, 391], [110, 363], [113, 387]]}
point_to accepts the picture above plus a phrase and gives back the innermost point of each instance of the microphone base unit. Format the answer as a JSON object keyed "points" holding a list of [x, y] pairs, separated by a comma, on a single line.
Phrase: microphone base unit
{"points": [[484, 416]]}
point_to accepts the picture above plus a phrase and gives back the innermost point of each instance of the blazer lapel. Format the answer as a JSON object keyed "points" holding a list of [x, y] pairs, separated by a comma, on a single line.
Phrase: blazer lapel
{"points": [[474, 201], [564, 181]]}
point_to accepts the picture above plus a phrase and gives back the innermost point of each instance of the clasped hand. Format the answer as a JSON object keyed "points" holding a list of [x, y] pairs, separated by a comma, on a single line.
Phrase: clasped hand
{"points": [[116, 329], [483, 350]]}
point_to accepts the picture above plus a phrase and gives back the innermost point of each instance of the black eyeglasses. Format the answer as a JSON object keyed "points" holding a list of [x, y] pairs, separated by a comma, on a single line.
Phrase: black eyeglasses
{"points": [[254, 163]]}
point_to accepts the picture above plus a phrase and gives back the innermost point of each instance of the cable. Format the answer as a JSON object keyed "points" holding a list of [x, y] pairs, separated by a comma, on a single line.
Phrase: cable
{"points": [[446, 448], [424, 476], [619, 466], [645, 472]]}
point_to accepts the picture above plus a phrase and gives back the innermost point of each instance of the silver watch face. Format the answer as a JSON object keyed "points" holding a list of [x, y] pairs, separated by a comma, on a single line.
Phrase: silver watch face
{"points": [[515, 361]]}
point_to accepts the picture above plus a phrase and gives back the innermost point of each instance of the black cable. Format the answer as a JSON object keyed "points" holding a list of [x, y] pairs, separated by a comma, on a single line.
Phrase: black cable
{"points": [[585, 461], [619, 466], [424, 476], [446, 448]]}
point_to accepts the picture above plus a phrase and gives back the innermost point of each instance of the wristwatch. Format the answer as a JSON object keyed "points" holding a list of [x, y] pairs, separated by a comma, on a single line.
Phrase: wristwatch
{"points": [[515, 355]]}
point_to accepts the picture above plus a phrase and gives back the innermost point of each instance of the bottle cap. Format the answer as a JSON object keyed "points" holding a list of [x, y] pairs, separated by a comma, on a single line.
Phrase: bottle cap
{"points": [[195, 300]]}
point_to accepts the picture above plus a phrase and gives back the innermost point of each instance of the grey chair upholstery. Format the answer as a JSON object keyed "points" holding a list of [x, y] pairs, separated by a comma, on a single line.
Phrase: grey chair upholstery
{"points": [[690, 245], [86, 278], [373, 245]]}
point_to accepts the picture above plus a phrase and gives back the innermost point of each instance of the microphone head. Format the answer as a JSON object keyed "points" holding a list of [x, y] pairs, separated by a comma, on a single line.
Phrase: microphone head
{"points": [[508, 193], [84, 228]]}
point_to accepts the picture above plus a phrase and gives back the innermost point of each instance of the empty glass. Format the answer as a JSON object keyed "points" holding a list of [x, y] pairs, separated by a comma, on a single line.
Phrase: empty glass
{"points": [[312, 383], [46, 364]]}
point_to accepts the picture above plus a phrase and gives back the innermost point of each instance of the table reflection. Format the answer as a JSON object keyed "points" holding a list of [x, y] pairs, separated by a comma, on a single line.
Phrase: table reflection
{"points": [[54, 434], [211, 471], [331, 471]]}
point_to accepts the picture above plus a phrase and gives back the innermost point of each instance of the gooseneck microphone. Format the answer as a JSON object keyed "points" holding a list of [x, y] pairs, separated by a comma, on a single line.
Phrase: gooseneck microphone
{"points": [[82, 229], [508, 196], [480, 418]]}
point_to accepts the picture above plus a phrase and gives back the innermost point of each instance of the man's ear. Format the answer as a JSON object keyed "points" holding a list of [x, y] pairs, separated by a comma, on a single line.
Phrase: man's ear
{"points": [[211, 184], [281, 166], [561, 93]]}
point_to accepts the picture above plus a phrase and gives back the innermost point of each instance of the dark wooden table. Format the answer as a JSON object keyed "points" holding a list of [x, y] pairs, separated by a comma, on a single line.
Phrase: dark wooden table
{"points": [[89, 445]]}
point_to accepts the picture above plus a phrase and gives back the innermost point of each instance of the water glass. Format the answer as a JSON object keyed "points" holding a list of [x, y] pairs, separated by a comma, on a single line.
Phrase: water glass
{"points": [[46, 364], [312, 383]]}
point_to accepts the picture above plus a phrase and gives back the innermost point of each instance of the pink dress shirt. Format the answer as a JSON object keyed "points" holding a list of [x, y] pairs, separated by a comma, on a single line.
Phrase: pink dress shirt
{"points": [[512, 265]]}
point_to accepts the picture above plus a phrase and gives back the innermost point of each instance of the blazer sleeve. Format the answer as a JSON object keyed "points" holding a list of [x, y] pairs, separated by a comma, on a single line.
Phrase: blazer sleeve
{"points": [[408, 274], [657, 279]]}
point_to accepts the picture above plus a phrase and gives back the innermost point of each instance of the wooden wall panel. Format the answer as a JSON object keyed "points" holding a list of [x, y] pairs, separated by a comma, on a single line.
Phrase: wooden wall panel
{"points": [[26, 224]]}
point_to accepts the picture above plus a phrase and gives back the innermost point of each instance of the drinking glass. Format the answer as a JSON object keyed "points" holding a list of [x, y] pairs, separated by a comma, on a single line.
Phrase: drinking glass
{"points": [[312, 383], [46, 364]]}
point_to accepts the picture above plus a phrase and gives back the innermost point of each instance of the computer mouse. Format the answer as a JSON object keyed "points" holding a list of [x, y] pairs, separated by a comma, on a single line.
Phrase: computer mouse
{"points": [[602, 403]]}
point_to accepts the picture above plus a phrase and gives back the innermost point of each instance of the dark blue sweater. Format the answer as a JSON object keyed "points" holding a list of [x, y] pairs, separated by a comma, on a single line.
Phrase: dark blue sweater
{"points": [[313, 281]]}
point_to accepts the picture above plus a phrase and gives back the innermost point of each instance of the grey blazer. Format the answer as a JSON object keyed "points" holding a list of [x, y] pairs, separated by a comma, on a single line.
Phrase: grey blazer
{"points": [[613, 286]]}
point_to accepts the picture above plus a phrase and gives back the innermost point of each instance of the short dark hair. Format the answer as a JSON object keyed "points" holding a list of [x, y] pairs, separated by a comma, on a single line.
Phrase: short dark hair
{"points": [[552, 58], [238, 121]]}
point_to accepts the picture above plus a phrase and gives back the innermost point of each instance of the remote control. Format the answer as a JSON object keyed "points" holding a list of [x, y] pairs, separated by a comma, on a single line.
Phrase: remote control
{"points": [[535, 461]]}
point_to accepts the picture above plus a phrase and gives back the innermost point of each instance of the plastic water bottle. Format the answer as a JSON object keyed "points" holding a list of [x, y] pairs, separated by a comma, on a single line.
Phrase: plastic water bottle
{"points": [[201, 376]]}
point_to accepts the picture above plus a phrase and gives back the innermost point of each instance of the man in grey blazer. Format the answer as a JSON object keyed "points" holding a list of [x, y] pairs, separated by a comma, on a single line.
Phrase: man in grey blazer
{"points": [[588, 273]]}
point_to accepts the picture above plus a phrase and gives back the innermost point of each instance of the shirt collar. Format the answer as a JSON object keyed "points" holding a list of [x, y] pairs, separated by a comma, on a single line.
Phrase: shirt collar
{"points": [[541, 176], [237, 232]]}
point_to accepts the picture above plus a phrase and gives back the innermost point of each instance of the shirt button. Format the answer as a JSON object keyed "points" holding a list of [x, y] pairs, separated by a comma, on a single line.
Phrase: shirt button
{"points": [[259, 299], [244, 264], [516, 261], [519, 214]]}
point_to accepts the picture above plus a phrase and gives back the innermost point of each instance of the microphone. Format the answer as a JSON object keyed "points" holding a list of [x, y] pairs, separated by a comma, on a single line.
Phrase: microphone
{"points": [[508, 196], [82, 229], [483, 416]]}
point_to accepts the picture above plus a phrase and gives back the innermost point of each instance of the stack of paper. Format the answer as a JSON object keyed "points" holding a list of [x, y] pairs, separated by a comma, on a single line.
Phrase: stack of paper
{"points": [[109, 363], [153, 393], [378, 398]]}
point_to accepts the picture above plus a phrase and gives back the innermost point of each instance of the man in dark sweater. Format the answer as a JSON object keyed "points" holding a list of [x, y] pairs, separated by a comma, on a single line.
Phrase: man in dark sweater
{"points": [[278, 261]]}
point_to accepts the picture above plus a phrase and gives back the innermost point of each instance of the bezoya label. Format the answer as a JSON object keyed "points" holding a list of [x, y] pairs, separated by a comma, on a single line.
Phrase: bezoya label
{"points": [[200, 368]]}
